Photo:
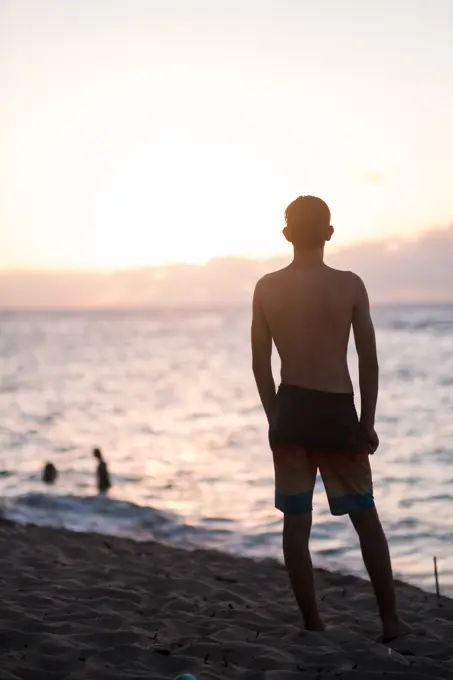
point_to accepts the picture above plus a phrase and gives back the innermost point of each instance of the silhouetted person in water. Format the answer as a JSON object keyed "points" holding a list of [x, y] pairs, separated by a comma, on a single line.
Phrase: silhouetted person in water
{"points": [[49, 473], [102, 473]]}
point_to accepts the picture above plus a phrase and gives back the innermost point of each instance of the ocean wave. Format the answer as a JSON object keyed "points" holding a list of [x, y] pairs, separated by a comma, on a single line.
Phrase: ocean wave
{"points": [[104, 515], [111, 517], [100, 514], [421, 325]]}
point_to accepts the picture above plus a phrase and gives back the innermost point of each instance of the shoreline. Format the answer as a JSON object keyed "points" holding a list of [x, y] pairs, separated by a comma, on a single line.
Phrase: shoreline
{"points": [[426, 583], [92, 606]]}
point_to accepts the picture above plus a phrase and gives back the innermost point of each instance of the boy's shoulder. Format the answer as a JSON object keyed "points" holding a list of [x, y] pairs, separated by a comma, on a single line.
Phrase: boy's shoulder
{"points": [[347, 277], [278, 274], [271, 277]]}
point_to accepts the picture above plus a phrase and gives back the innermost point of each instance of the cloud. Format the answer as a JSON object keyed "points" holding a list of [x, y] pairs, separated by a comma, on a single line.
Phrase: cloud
{"points": [[395, 270], [404, 270]]}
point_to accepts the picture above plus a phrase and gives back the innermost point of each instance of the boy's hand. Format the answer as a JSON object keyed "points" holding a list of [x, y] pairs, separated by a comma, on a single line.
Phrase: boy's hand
{"points": [[371, 438]]}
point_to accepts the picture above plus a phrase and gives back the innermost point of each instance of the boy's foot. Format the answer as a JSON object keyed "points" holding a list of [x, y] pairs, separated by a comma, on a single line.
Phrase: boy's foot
{"points": [[316, 626], [394, 630]]}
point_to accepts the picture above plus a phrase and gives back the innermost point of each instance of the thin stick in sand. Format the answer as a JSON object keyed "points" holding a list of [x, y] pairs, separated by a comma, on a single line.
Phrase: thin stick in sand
{"points": [[436, 577]]}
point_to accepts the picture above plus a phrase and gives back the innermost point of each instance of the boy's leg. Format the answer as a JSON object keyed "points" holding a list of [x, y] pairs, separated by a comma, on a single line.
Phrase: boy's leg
{"points": [[376, 556], [296, 536], [349, 486], [295, 477]]}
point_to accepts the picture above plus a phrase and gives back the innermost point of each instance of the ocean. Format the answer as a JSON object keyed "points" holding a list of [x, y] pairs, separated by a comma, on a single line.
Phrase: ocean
{"points": [[170, 399]]}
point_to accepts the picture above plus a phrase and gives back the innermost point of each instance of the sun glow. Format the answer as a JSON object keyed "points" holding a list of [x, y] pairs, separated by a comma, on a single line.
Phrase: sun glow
{"points": [[148, 139]]}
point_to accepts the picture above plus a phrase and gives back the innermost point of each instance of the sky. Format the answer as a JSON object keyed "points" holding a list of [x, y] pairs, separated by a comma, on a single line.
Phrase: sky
{"points": [[143, 132]]}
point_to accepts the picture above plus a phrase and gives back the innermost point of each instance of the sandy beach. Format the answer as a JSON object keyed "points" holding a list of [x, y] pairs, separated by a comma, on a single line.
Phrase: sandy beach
{"points": [[88, 606]]}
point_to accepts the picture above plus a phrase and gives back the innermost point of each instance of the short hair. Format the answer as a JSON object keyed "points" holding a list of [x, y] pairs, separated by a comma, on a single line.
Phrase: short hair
{"points": [[307, 222], [97, 453]]}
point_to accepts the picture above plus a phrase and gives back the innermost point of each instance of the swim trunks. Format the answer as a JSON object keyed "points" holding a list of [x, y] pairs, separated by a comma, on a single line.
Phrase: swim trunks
{"points": [[311, 430]]}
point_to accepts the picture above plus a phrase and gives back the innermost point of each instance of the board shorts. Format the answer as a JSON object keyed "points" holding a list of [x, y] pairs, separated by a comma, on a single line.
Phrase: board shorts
{"points": [[312, 430]]}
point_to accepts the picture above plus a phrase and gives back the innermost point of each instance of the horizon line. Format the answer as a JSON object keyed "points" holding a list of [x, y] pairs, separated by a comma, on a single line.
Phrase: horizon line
{"points": [[204, 307]]}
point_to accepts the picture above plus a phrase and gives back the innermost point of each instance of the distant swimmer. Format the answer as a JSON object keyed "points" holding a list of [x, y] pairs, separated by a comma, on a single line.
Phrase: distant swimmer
{"points": [[102, 473], [49, 473]]}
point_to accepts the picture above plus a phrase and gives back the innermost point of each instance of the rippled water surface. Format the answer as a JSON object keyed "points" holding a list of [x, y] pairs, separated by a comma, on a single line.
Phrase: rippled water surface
{"points": [[170, 398]]}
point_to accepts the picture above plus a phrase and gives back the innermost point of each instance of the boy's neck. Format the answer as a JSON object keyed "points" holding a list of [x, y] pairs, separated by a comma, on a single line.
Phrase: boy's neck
{"points": [[308, 257]]}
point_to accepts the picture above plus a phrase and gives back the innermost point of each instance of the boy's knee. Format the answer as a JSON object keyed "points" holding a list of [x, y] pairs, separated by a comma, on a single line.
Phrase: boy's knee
{"points": [[366, 520], [297, 524]]}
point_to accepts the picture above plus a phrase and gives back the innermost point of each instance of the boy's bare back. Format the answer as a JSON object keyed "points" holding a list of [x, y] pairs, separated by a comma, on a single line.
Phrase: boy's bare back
{"points": [[309, 312]]}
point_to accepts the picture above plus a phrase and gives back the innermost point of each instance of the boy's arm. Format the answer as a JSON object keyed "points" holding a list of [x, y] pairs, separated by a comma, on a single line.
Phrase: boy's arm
{"points": [[365, 342], [261, 354]]}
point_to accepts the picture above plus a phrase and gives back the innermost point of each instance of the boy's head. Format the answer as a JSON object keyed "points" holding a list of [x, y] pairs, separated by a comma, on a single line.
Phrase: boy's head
{"points": [[307, 223], [97, 453]]}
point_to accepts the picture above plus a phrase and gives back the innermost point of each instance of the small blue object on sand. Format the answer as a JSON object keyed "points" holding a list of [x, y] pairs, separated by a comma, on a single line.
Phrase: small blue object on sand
{"points": [[185, 676]]}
